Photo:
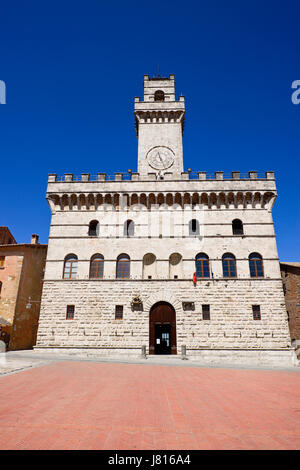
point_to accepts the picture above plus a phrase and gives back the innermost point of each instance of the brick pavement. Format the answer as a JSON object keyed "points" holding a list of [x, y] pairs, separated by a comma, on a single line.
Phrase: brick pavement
{"points": [[87, 405]]}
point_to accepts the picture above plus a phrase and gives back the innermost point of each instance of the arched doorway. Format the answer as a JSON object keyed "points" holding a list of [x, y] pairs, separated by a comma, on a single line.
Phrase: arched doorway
{"points": [[162, 329]]}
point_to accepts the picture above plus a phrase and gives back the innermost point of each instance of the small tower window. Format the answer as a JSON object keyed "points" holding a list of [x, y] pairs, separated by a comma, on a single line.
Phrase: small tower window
{"points": [[237, 227], [159, 95], [194, 227], [129, 228], [94, 228]]}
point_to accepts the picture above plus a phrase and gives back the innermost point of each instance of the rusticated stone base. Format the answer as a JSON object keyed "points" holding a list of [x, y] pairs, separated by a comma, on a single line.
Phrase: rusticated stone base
{"points": [[231, 335]]}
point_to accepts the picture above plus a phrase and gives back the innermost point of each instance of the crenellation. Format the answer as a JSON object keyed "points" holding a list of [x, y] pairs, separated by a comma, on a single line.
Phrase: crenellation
{"points": [[177, 176]]}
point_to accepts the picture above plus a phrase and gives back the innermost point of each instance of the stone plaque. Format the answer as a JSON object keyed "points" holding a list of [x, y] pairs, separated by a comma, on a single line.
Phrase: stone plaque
{"points": [[188, 306]]}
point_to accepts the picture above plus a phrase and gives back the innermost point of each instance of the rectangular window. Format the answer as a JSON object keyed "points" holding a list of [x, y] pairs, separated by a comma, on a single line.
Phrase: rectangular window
{"points": [[256, 312], [205, 312], [119, 312], [70, 312], [2, 261]]}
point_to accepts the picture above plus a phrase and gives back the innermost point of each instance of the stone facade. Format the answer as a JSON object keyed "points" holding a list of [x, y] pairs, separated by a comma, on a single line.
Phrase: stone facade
{"points": [[173, 217], [290, 273], [21, 277]]}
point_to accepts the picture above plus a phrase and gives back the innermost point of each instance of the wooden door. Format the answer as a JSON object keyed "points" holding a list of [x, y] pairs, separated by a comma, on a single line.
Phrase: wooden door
{"points": [[162, 324]]}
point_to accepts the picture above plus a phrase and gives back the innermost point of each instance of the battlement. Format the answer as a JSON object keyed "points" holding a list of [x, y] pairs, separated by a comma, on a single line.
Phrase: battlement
{"points": [[163, 176]]}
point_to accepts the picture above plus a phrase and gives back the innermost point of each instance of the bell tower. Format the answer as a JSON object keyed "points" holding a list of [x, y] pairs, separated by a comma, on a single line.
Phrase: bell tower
{"points": [[159, 121]]}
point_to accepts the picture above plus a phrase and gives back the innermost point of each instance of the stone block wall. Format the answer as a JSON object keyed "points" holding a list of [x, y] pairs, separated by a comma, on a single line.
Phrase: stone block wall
{"points": [[291, 282], [231, 326]]}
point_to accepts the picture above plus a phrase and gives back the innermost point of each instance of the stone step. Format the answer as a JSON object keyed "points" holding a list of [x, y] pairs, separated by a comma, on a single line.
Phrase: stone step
{"points": [[159, 357]]}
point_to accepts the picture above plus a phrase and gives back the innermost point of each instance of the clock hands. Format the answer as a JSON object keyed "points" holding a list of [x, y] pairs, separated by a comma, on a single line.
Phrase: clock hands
{"points": [[160, 157]]}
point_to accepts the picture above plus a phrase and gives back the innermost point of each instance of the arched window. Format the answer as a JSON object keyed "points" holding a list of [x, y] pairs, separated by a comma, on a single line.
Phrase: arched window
{"points": [[129, 228], [256, 265], [202, 265], [70, 266], [123, 267], [96, 266], [194, 227], [94, 228], [159, 95], [229, 265], [237, 227]]}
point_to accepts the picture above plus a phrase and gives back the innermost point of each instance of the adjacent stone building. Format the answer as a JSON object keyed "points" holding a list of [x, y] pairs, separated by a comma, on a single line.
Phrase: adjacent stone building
{"points": [[168, 259], [290, 273], [21, 276]]}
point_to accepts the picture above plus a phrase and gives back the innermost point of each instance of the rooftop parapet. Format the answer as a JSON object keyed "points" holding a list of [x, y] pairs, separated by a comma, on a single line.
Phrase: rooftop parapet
{"points": [[184, 176]]}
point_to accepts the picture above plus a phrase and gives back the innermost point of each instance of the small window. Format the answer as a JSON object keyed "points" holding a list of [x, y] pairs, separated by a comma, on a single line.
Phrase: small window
{"points": [[256, 312], [237, 227], [194, 227], [119, 312], [129, 228], [205, 312], [70, 312], [159, 95], [2, 261], [0, 288], [94, 228]]}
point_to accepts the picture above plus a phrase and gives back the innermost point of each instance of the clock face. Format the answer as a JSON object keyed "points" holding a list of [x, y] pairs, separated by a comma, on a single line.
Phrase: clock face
{"points": [[160, 158]]}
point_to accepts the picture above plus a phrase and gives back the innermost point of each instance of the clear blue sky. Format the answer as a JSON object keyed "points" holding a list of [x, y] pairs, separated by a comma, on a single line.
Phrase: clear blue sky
{"points": [[72, 69]]}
